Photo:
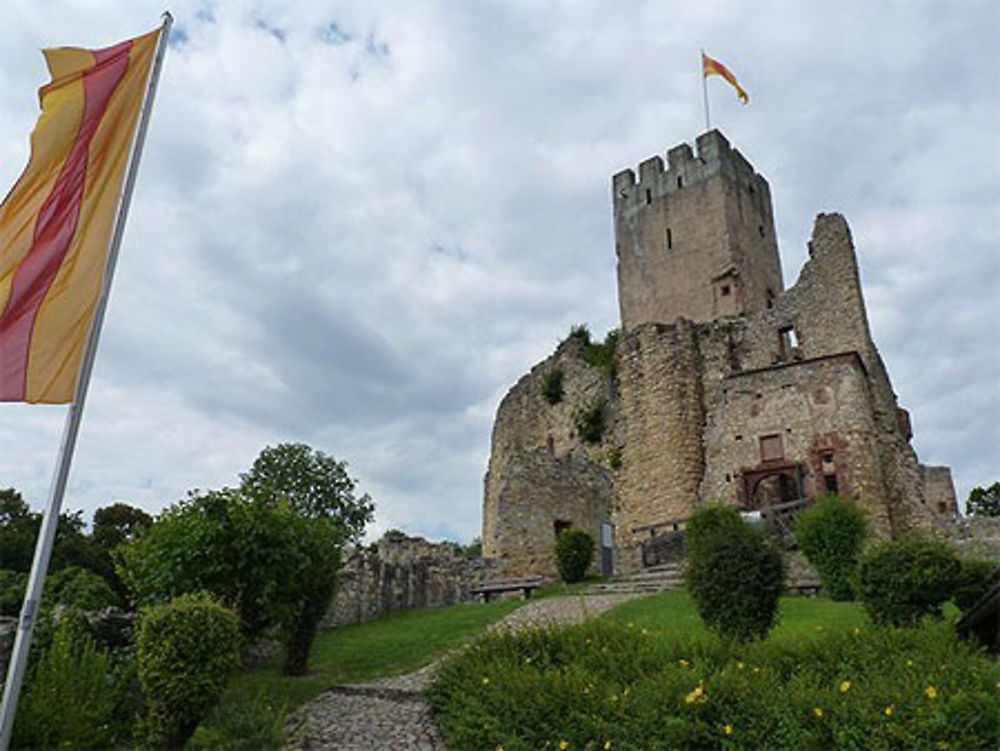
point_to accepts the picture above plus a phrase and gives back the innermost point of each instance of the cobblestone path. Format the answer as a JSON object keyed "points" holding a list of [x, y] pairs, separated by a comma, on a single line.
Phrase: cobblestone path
{"points": [[390, 714]]}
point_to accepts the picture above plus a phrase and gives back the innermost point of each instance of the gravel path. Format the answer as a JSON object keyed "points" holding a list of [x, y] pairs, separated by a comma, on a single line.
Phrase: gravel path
{"points": [[390, 714]]}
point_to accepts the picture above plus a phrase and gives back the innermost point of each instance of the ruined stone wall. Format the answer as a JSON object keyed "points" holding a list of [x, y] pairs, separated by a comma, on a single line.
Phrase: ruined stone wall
{"points": [[659, 381], [975, 537], [541, 471], [400, 573], [809, 408], [939, 491]]}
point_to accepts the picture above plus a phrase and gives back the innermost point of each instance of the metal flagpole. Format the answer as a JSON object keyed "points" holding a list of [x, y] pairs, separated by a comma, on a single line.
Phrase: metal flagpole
{"points": [[50, 518], [704, 91]]}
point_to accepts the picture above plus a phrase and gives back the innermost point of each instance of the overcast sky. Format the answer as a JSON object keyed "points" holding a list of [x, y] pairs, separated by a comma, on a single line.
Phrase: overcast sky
{"points": [[358, 223]]}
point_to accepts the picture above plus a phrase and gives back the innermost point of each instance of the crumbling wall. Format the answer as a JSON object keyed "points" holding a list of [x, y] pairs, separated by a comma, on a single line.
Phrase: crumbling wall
{"points": [[939, 491], [400, 573]]}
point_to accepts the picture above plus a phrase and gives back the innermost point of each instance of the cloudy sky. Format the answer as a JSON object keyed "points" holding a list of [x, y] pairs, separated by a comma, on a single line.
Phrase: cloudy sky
{"points": [[358, 223]]}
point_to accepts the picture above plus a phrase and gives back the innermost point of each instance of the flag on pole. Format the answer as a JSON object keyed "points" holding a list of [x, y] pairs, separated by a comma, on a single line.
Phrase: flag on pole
{"points": [[710, 67], [56, 222]]}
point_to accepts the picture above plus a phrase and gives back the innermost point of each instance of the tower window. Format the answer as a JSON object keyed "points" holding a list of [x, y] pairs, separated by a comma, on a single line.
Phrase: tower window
{"points": [[670, 239], [680, 181], [725, 290], [787, 341], [830, 483], [760, 229], [559, 525], [770, 298], [649, 196]]}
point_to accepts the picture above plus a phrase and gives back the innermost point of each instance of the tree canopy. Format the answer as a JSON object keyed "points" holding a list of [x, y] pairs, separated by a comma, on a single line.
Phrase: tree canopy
{"points": [[984, 501]]}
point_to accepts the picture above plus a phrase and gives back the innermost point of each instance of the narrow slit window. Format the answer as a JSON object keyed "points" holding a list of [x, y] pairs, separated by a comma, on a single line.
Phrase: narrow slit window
{"points": [[680, 181], [649, 196], [725, 290], [670, 239], [830, 483]]}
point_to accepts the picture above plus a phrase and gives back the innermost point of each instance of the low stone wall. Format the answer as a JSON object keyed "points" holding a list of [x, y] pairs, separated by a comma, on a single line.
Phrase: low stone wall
{"points": [[402, 572], [976, 537]]}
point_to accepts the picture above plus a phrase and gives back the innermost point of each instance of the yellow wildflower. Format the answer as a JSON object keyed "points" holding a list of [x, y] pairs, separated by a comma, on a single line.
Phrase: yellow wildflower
{"points": [[817, 711], [631, 625], [727, 729], [931, 692], [607, 745], [740, 665], [889, 710], [563, 745], [909, 663], [486, 681], [697, 695], [845, 686], [645, 631], [683, 663], [527, 660], [499, 748]]}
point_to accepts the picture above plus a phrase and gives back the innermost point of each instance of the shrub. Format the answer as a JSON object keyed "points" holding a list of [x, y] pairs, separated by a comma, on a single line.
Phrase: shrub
{"points": [[601, 685], [13, 585], [589, 420], [574, 554], [902, 581], [581, 332], [603, 355], [70, 694], [552, 385], [972, 581], [186, 649], [734, 576], [79, 588], [254, 725], [830, 534], [615, 457]]}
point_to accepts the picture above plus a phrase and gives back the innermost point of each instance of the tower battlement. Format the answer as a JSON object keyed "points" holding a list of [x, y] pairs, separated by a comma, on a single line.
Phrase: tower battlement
{"points": [[683, 169]]}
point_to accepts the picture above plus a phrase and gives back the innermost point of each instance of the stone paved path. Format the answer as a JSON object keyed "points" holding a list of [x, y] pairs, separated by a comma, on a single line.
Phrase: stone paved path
{"points": [[390, 714]]}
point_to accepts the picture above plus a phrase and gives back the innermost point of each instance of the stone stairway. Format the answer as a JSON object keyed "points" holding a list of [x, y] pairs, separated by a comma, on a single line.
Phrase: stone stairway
{"points": [[651, 579]]}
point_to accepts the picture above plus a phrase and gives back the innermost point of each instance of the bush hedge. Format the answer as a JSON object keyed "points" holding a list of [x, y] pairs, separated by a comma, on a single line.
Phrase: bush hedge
{"points": [[605, 686], [552, 385], [734, 576], [972, 581], [574, 554], [186, 649], [830, 534], [901, 581]]}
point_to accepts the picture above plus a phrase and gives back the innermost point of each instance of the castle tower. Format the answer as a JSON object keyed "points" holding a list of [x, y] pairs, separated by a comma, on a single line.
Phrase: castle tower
{"points": [[695, 239]]}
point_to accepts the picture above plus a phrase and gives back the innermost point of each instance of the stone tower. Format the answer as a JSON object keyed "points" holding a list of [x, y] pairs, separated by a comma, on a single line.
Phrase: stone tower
{"points": [[695, 240]]}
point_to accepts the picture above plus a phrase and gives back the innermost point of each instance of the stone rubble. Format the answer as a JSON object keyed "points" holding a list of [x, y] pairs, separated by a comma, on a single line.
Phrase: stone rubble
{"points": [[390, 714]]}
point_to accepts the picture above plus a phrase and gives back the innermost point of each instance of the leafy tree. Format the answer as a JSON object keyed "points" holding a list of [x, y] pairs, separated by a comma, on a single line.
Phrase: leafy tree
{"points": [[119, 523], [316, 485], [984, 501]]}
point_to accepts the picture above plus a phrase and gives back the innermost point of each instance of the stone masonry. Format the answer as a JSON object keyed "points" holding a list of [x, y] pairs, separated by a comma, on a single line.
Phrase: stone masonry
{"points": [[728, 388]]}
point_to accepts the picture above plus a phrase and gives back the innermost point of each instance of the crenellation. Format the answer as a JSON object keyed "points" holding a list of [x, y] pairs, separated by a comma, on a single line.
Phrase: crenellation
{"points": [[729, 388]]}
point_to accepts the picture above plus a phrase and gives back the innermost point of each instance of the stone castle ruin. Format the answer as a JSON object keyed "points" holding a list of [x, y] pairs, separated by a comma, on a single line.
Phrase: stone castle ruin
{"points": [[724, 386]]}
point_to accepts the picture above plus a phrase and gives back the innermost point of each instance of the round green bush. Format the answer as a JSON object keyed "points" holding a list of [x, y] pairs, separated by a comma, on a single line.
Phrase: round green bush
{"points": [[574, 553], [901, 581], [186, 649], [830, 534], [972, 581], [79, 588], [734, 576]]}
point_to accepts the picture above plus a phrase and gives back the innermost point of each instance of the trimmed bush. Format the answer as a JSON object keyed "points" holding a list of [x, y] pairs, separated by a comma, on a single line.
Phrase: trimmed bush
{"points": [[186, 650], [589, 420], [830, 534], [734, 576], [574, 554], [902, 581], [972, 580], [79, 588], [552, 385]]}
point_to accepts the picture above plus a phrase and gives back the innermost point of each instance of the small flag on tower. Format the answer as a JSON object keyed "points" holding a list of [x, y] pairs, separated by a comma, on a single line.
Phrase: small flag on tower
{"points": [[712, 67]]}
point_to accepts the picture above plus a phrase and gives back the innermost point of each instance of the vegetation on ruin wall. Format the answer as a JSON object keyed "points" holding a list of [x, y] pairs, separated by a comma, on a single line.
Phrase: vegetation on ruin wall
{"points": [[648, 675], [602, 355]]}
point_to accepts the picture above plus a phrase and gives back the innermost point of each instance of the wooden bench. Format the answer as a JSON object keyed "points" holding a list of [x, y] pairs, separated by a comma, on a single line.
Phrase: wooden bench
{"points": [[803, 587], [489, 588]]}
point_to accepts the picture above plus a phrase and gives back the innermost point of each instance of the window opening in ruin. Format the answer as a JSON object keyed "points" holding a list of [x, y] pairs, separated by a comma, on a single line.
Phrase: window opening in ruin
{"points": [[830, 482], [771, 449], [739, 438], [788, 340], [750, 188], [770, 298], [725, 290], [680, 181], [670, 239], [728, 478], [560, 524], [649, 196], [827, 457], [942, 507], [760, 229], [550, 442]]}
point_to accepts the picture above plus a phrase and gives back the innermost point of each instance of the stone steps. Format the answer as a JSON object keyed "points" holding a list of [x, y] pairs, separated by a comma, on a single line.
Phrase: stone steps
{"points": [[653, 579]]}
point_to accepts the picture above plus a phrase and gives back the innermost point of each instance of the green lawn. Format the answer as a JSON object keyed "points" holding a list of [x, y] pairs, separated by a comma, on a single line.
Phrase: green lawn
{"points": [[672, 614], [397, 643]]}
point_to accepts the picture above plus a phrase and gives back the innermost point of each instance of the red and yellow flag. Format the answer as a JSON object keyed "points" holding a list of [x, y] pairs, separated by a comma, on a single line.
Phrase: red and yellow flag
{"points": [[710, 67], [56, 221]]}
